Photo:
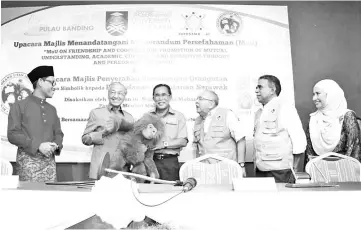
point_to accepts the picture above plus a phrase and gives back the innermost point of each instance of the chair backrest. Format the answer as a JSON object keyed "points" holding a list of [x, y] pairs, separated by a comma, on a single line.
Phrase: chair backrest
{"points": [[6, 168], [334, 167], [210, 169]]}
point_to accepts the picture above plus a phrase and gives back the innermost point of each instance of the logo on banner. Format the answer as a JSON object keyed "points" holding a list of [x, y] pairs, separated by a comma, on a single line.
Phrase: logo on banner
{"points": [[193, 22], [229, 23], [116, 22], [151, 19], [14, 87]]}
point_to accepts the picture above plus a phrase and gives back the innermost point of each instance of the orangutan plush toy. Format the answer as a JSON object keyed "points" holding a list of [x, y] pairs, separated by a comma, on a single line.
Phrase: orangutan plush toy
{"points": [[136, 145]]}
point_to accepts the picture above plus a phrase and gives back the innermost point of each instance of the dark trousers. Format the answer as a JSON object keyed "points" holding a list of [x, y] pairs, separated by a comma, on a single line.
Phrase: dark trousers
{"points": [[281, 176], [168, 168]]}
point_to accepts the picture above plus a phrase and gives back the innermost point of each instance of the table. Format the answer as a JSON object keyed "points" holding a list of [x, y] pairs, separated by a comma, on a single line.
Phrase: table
{"points": [[205, 207], [162, 188]]}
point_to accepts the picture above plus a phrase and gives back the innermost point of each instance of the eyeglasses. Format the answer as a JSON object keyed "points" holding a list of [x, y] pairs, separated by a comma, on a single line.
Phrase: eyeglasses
{"points": [[118, 93], [199, 98], [53, 83], [163, 95]]}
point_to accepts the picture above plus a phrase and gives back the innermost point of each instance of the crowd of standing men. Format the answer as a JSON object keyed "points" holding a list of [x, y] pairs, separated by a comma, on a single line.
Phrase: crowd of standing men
{"points": [[279, 139]]}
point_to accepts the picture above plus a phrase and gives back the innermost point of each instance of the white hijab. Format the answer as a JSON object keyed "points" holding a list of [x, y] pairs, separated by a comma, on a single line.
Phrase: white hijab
{"points": [[326, 123]]}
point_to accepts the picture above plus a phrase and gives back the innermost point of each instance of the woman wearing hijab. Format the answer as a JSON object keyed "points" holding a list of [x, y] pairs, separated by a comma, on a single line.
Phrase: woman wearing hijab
{"points": [[333, 127]]}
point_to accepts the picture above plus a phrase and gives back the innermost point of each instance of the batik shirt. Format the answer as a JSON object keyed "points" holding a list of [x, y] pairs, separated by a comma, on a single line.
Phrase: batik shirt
{"points": [[349, 144]]}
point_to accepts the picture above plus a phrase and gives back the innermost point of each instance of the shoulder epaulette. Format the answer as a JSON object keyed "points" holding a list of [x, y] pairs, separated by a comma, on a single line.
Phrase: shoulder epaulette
{"points": [[101, 106]]}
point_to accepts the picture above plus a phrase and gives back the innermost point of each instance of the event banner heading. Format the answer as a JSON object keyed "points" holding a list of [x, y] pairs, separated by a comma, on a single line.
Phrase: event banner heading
{"points": [[191, 48]]}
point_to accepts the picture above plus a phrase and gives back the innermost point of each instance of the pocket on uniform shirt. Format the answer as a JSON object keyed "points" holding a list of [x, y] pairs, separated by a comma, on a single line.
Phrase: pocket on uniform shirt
{"points": [[270, 126], [271, 157], [172, 128], [217, 131], [270, 151]]}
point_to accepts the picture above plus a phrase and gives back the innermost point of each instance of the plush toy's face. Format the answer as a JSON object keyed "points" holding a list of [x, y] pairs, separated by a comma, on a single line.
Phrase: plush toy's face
{"points": [[149, 132]]}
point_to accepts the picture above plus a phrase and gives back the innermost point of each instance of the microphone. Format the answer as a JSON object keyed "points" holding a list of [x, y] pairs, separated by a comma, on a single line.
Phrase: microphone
{"points": [[189, 184]]}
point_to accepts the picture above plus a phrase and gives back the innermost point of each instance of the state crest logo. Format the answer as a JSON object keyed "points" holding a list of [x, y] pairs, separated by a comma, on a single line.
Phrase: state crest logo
{"points": [[229, 23], [116, 22], [14, 87]]}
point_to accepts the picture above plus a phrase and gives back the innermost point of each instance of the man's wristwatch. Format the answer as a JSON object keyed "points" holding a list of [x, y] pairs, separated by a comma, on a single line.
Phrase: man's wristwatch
{"points": [[242, 164], [165, 144]]}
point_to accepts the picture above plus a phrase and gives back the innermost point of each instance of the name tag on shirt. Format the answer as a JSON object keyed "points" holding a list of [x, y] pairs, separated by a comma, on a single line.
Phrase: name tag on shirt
{"points": [[172, 120]]}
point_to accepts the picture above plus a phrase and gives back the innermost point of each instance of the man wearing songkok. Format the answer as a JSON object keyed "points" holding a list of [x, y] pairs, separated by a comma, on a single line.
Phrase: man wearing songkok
{"points": [[218, 130], [279, 138], [34, 126], [106, 125], [175, 137]]}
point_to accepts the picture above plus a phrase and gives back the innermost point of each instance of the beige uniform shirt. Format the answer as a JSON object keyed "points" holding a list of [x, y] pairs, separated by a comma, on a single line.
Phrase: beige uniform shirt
{"points": [[175, 127]]}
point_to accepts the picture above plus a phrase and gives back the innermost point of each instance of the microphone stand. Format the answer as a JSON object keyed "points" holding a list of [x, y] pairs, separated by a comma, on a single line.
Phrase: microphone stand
{"points": [[176, 183], [136, 196]]}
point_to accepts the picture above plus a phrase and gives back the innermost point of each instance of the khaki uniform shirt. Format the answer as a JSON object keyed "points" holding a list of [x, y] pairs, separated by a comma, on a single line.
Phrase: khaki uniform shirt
{"points": [[175, 127]]}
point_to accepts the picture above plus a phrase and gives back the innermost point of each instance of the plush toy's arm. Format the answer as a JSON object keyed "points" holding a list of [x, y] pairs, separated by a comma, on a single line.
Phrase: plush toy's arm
{"points": [[124, 123], [149, 164]]}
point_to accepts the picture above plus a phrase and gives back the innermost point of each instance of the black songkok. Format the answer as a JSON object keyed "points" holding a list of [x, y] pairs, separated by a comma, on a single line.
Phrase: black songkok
{"points": [[40, 72]]}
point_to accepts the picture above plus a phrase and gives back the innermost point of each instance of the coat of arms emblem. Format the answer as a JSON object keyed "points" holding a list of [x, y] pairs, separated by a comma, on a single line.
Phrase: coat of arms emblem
{"points": [[14, 87], [116, 22], [229, 23]]}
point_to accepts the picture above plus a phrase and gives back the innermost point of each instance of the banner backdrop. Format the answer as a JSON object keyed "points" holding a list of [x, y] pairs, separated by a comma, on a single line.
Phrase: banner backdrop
{"points": [[224, 48]]}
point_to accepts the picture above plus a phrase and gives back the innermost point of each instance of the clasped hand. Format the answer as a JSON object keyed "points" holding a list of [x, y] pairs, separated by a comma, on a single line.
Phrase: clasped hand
{"points": [[109, 126], [48, 148]]}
